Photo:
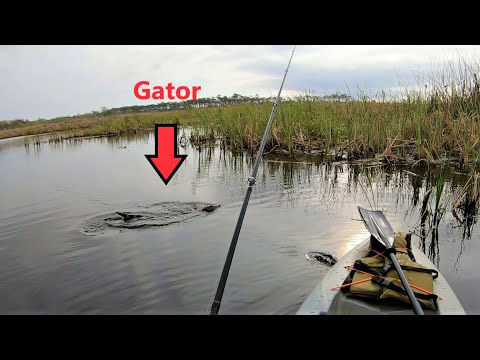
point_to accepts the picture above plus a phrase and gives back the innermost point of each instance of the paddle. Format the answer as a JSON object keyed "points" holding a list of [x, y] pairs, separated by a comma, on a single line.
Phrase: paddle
{"points": [[378, 225]]}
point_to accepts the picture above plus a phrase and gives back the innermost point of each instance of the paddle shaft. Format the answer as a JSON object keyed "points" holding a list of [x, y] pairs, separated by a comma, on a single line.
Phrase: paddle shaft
{"points": [[417, 309], [251, 181]]}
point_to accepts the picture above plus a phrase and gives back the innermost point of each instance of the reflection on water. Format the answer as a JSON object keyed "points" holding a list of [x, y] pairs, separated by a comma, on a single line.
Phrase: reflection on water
{"points": [[299, 205]]}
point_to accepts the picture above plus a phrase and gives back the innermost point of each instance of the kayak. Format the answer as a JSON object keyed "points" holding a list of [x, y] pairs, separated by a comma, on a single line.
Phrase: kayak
{"points": [[325, 301]]}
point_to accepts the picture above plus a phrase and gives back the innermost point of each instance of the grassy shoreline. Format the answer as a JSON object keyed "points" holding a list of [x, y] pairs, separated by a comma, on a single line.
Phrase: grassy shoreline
{"points": [[437, 123], [399, 131]]}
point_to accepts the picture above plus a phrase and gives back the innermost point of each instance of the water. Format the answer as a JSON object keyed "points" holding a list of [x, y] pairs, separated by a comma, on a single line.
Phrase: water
{"points": [[48, 265]]}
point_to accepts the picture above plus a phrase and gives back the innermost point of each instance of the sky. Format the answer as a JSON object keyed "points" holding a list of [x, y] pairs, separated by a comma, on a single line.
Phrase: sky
{"points": [[48, 81]]}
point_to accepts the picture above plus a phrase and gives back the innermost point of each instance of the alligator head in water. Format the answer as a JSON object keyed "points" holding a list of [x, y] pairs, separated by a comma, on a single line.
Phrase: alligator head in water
{"points": [[128, 217], [210, 208], [323, 257]]}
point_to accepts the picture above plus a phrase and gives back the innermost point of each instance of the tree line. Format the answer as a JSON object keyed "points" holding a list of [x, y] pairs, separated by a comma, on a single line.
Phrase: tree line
{"points": [[217, 101]]}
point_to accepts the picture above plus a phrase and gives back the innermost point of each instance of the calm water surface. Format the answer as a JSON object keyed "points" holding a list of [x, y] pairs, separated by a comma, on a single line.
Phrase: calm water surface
{"points": [[49, 266]]}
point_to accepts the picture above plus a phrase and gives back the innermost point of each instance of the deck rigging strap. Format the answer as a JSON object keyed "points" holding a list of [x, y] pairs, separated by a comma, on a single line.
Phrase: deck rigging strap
{"points": [[251, 181]]}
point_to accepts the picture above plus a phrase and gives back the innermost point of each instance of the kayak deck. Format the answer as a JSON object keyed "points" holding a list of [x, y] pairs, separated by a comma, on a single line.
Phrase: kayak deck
{"points": [[325, 301]]}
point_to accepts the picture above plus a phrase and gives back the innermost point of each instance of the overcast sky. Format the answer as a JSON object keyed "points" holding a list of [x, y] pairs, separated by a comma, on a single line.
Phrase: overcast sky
{"points": [[50, 81]]}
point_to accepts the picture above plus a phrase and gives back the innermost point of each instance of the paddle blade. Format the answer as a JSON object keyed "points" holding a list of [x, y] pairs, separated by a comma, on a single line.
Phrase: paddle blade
{"points": [[383, 238], [365, 215], [380, 228], [383, 224]]}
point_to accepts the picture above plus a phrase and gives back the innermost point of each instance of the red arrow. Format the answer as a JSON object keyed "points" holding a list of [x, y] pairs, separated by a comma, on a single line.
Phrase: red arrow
{"points": [[166, 161]]}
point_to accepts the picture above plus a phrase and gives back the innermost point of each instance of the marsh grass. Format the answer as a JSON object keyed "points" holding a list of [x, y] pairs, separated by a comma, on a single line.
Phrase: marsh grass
{"points": [[435, 120]]}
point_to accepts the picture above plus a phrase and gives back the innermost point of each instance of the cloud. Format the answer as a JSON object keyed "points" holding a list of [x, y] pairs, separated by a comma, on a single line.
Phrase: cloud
{"points": [[50, 81]]}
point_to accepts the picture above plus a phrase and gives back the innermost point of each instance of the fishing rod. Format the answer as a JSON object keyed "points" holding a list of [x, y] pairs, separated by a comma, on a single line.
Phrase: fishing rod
{"points": [[251, 181]]}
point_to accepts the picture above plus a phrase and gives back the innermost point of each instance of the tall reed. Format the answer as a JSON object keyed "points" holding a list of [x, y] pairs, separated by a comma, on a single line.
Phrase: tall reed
{"points": [[435, 120]]}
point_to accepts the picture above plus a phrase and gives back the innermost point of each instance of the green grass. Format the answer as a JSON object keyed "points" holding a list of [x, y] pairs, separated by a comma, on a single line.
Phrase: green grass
{"points": [[439, 121]]}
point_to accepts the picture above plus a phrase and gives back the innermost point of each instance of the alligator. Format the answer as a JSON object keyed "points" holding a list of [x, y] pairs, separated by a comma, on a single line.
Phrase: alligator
{"points": [[144, 216], [323, 257]]}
